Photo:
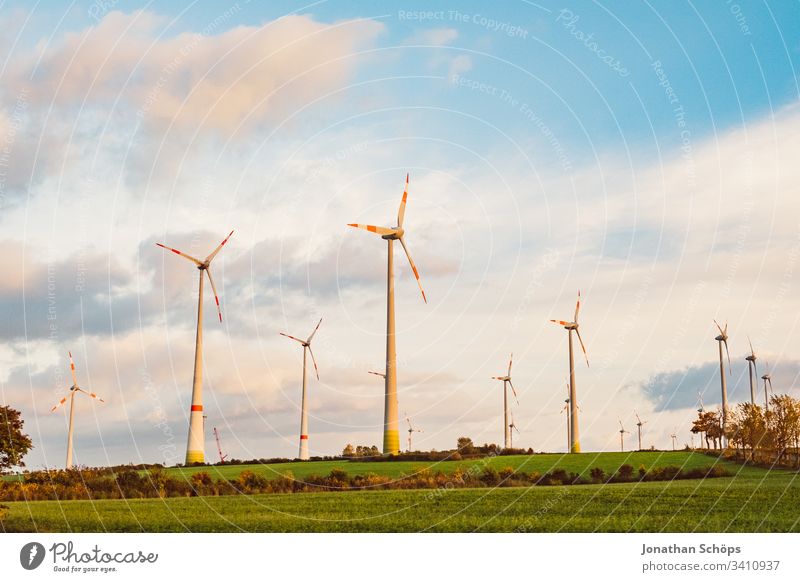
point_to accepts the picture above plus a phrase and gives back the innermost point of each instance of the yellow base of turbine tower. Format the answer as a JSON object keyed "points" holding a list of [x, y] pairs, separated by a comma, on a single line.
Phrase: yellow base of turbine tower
{"points": [[195, 457], [391, 442]]}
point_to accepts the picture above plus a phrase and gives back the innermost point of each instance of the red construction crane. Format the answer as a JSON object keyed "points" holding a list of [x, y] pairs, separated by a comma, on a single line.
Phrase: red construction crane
{"points": [[219, 447]]}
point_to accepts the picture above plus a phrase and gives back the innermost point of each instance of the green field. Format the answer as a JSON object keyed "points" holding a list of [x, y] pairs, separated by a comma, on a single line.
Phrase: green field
{"points": [[542, 463], [754, 500]]}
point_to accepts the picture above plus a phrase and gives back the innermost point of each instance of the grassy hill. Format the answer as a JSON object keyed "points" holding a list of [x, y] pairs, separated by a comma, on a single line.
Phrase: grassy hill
{"points": [[752, 500], [542, 463]]}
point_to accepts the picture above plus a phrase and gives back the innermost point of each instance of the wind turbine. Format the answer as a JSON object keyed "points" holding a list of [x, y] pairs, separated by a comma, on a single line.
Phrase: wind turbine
{"points": [[570, 326], [569, 433], [303, 454], [673, 436], [639, 425], [411, 430], [219, 446], [195, 444], [753, 372], [622, 433], [767, 377], [511, 428], [700, 398], [722, 338], [391, 434], [507, 382], [73, 390]]}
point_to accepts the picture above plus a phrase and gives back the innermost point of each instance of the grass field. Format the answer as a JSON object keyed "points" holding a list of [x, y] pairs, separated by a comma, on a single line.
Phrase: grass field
{"points": [[754, 500], [543, 463]]}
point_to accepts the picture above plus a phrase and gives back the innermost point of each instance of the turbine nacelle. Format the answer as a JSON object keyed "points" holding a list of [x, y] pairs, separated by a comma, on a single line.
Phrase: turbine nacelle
{"points": [[396, 234]]}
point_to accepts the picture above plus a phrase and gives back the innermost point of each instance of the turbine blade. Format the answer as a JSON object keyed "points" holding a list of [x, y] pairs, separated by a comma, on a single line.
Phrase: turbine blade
{"points": [[513, 391], [583, 347], [72, 369], [210, 257], [308, 341], [376, 229], [577, 306], [510, 361], [60, 402], [729, 355], [559, 322], [214, 289], [413, 268], [719, 328], [401, 212], [292, 337], [752, 351], [316, 370], [377, 374], [179, 253], [92, 394]]}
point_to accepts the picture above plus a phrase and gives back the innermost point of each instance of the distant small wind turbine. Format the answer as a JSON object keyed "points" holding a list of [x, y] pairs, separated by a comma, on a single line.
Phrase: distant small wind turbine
{"points": [[566, 409], [303, 454], [639, 424], [702, 409], [622, 433], [767, 377], [570, 326], [507, 382], [411, 431], [73, 390], [674, 436], [722, 338], [752, 371], [511, 428]]}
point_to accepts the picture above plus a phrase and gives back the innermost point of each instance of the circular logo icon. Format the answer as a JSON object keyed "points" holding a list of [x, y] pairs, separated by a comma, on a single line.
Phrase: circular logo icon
{"points": [[31, 555]]}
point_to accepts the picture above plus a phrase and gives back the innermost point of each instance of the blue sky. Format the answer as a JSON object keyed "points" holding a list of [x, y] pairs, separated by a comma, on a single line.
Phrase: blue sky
{"points": [[644, 153]]}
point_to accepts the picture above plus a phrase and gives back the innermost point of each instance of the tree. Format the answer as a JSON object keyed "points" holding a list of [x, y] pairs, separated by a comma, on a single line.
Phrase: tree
{"points": [[14, 444], [465, 445], [783, 422], [707, 425], [749, 427], [349, 451]]}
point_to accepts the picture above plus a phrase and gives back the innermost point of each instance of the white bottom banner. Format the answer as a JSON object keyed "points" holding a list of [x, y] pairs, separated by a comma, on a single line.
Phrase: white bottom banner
{"points": [[389, 557]]}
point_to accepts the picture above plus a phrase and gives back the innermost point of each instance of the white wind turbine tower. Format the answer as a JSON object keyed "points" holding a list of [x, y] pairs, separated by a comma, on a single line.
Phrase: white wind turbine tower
{"points": [[411, 431], [507, 382], [570, 326], [722, 338], [569, 432], [753, 372], [73, 390], [622, 433], [511, 428], [674, 436], [303, 454], [639, 424], [767, 377], [391, 432], [195, 447]]}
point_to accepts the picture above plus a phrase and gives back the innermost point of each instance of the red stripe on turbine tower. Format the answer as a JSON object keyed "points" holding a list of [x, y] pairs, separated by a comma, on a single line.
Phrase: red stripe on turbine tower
{"points": [[303, 437], [197, 408]]}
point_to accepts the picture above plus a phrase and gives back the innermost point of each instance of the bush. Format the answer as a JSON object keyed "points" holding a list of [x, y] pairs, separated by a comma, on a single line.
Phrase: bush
{"points": [[489, 476], [598, 475], [3, 512], [625, 472]]}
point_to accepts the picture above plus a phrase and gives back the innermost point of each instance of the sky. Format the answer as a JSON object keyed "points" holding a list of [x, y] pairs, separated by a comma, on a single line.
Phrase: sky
{"points": [[643, 154]]}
